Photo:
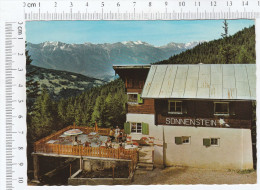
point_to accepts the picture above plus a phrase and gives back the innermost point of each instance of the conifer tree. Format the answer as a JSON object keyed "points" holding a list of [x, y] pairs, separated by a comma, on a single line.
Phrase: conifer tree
{"points": [[43, 116], [32, 87]]}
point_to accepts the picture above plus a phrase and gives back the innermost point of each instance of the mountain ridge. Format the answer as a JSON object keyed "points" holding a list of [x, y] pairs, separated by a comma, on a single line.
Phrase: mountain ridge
{"points": [[96, 60]]}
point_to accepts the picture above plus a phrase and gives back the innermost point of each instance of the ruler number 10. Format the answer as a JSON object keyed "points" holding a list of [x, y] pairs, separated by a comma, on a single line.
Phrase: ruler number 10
{"points": [[197, 3], [182, 3]]}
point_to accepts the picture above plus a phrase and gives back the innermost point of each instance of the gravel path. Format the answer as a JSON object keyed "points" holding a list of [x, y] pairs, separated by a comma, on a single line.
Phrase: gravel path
{"points": [[185, 175]]}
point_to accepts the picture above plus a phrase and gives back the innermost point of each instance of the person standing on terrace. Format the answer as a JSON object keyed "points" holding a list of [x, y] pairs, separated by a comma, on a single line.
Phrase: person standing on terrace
{"points": [[117, 133]]}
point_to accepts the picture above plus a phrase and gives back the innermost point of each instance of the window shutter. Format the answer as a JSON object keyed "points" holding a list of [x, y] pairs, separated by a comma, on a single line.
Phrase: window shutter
{"points": [[145, 128], [206, 142], [140, 100], [178, 140], [127, 128], [141, 84], [130, 83]]}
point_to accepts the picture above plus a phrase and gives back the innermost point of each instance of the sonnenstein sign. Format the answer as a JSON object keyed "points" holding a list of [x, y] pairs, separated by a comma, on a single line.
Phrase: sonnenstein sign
{"points": [[191, 122]]}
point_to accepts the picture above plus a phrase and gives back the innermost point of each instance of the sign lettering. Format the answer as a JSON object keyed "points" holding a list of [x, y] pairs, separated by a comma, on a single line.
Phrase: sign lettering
{"points": [[191, 122]]}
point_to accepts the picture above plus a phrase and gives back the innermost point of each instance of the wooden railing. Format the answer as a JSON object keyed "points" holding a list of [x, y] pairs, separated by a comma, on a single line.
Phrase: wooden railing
{"points": [[86, 130], [41, 146], [119, 153]]}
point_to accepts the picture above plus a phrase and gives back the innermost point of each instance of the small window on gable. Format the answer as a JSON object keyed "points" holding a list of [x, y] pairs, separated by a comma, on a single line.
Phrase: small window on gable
{"points": [[132, 98], [174, 107], [221, 108]]}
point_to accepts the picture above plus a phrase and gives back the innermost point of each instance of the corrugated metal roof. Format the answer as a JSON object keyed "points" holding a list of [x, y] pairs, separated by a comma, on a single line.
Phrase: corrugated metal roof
{"points": [[205, 81]]}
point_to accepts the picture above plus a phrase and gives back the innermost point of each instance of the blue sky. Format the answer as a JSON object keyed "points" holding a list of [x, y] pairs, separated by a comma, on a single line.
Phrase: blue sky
{"points": [[154, 32]]}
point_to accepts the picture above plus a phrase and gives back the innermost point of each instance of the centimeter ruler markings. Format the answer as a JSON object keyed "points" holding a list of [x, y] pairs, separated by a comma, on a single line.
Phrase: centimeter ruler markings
{"points": [[141, 10], [15, 91], [15, 144], [9, 107]]}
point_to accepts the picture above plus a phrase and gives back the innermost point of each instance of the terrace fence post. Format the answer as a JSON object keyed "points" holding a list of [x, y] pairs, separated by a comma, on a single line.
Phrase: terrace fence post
{"points": [[113, 168], [59, 149], [70, 169], [80, 162], [35, 169]]}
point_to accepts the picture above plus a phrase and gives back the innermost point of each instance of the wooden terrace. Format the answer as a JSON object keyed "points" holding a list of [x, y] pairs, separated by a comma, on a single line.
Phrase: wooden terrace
{"points": [[54, 145]]}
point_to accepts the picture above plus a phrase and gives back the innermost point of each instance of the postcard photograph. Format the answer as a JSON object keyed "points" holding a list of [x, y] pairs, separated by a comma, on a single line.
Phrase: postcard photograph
{"points": [[141, 102]]}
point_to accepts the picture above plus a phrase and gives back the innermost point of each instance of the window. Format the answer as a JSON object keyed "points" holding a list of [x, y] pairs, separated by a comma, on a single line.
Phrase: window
{"points": [[136, 127], [211, 142], [174, 107], [221, 108], [214, 141], [132, 98], [185, 140], [182, 140]]}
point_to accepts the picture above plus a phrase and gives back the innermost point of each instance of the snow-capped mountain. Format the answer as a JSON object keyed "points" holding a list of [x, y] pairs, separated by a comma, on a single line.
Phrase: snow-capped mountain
{"points": [[96, 60]]}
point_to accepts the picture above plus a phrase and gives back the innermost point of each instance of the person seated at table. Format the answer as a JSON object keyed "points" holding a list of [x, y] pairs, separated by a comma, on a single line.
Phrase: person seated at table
{"points": [[79, 142], [87, 144]]}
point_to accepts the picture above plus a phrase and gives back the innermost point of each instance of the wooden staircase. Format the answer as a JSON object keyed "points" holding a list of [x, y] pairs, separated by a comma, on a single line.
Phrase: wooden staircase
{"points": [[144, 166], [145, 161]]}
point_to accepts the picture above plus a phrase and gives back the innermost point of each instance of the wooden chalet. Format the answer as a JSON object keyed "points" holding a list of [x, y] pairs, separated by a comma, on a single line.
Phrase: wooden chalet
{"points": [[198, 115]]}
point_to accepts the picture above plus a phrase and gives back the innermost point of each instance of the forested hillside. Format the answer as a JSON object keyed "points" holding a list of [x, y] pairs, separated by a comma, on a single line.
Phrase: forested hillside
{"points": [[105, 104], [240, 47], [61, 84]]}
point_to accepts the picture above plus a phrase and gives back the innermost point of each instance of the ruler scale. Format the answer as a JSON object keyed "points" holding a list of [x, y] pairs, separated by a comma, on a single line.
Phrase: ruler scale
{"points": [[15, 125], [8, 77], [14, 15]]}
